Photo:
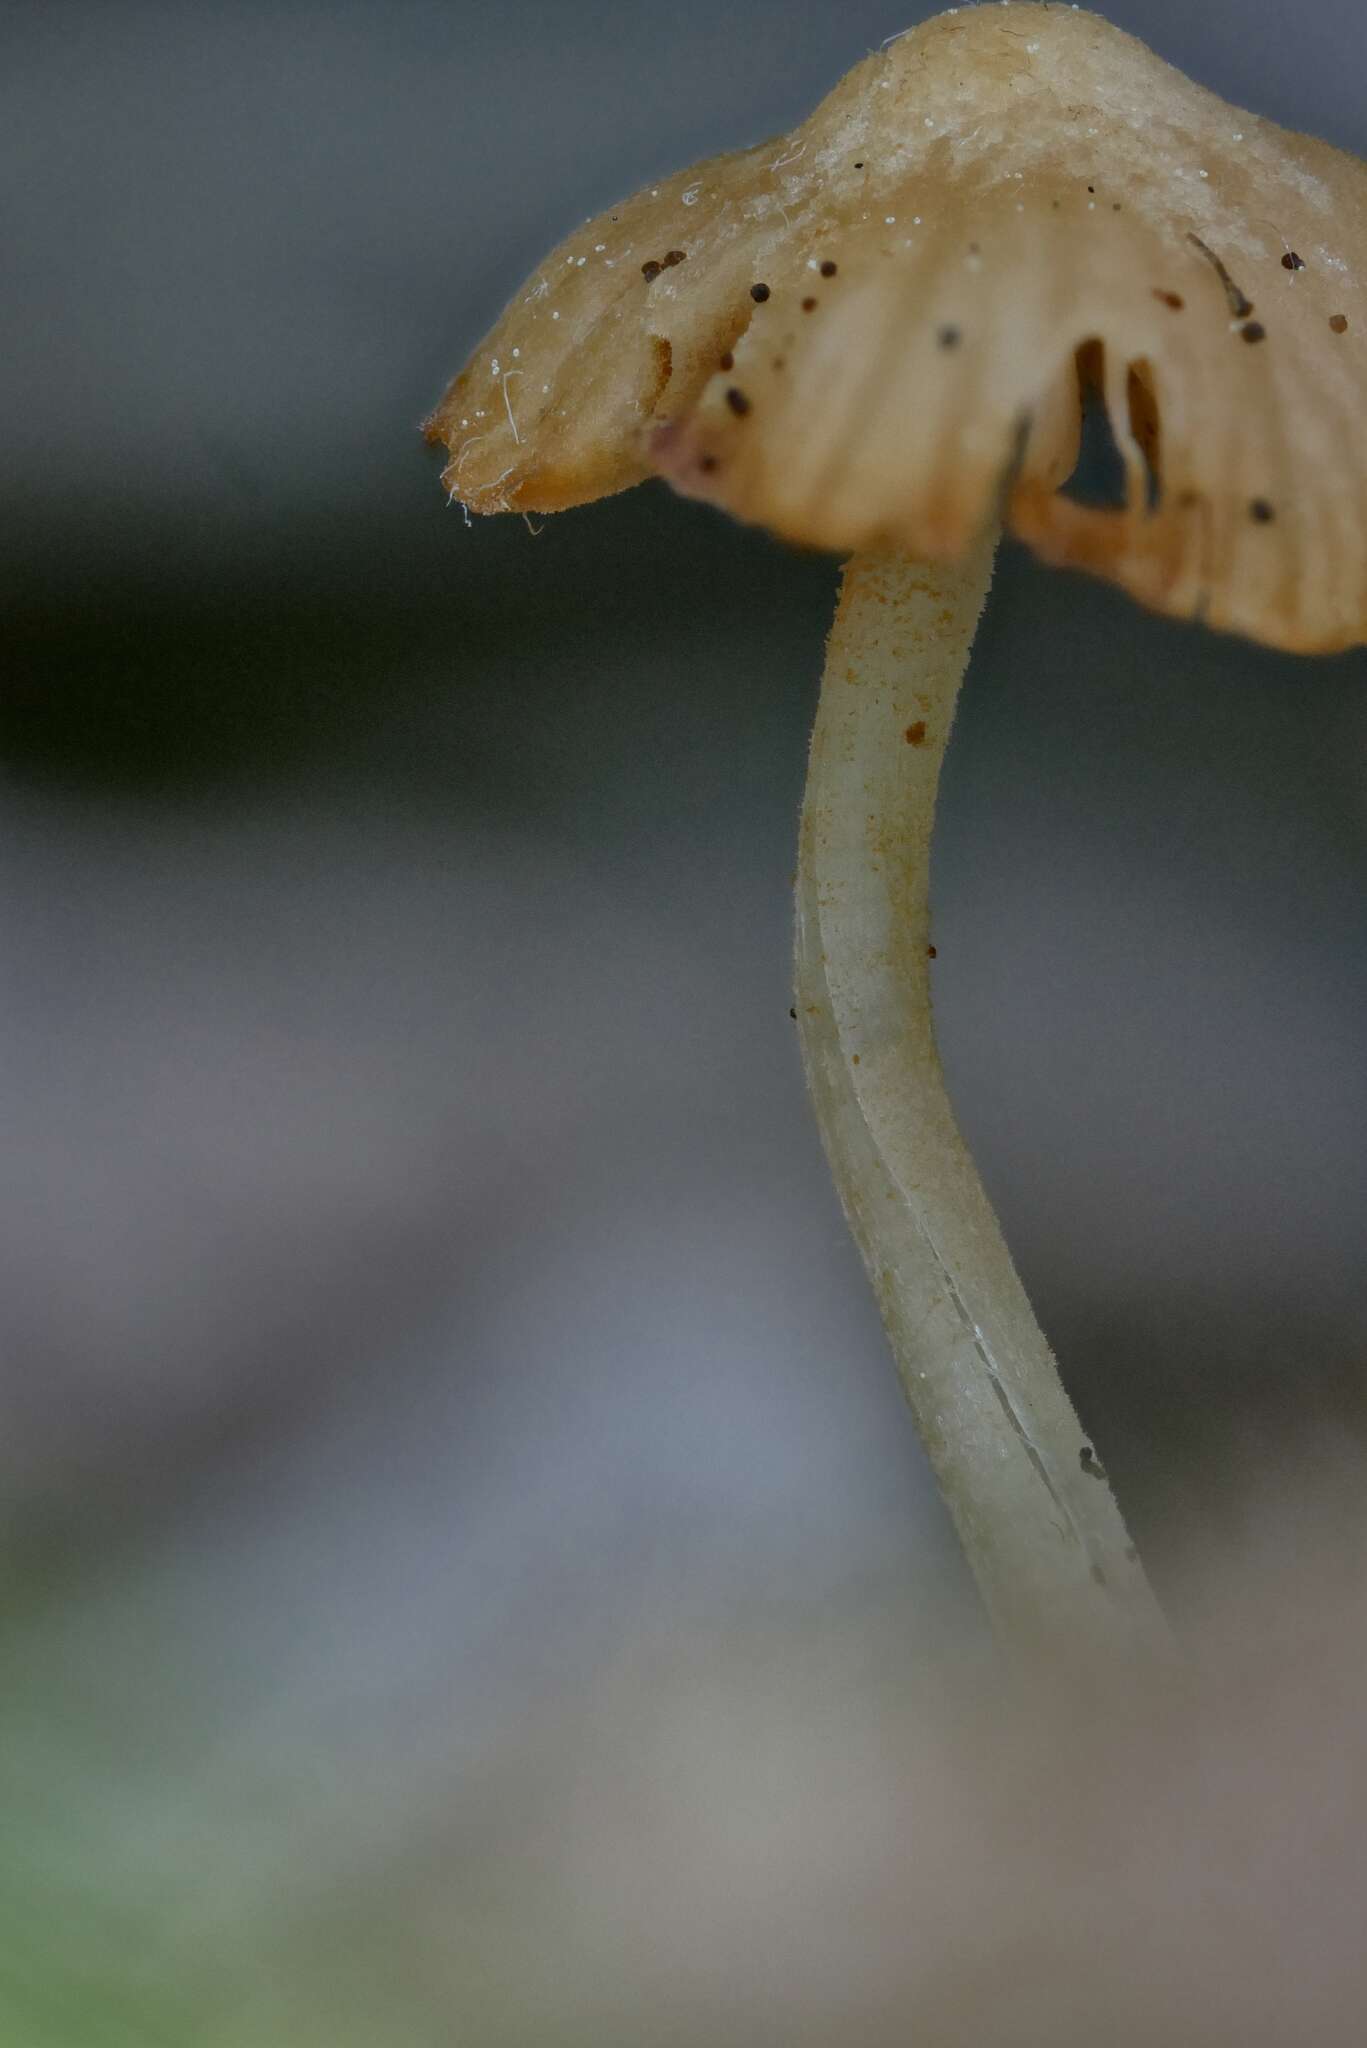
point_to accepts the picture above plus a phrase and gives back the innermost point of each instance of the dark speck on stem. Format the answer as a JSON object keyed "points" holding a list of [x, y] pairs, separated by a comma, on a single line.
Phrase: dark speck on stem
{"points": [[949, 337], [738, 402], [1261, 511], [1291, 261], [1253, 330], [759, 293]]}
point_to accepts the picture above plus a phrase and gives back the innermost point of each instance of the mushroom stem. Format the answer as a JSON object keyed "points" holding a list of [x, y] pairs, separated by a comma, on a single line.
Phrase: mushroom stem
{"points": [[1028, 1496]]}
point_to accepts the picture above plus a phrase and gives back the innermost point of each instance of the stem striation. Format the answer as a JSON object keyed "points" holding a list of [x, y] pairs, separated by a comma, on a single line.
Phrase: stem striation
{"points": [[1028, 1496]]}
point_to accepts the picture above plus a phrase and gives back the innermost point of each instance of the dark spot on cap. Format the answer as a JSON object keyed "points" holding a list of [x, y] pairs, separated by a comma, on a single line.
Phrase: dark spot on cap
{"points": [[707, 463], [1173, 299], [779, 362], [1291, 261], [1240, 305], [650, 271], [1090, 1462], [932, 952], [737, 401], [808, 305], [915, 735], [828, 268], [1261, 510], [674, 256], [759, 293], [859, 163], [1338, 323], [949, 337], [1253, 330], [1115, 206], [728, 361], [793, 1015], [1186, 499]]}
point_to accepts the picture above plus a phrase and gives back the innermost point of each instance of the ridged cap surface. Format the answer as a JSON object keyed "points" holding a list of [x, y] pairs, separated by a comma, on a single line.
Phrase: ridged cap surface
{"points": [[872, 332]]}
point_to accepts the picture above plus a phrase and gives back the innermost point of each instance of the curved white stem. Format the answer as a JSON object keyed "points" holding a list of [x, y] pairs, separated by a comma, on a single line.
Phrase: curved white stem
{"points": [[1028, 1496]]}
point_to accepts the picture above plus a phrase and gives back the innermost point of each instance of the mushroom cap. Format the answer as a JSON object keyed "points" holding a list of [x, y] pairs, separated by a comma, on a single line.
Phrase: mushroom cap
{"points": [[874, 332]]}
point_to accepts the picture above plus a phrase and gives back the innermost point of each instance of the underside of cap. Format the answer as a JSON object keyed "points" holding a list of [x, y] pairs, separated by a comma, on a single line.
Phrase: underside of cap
{"points": [[877, 332]]}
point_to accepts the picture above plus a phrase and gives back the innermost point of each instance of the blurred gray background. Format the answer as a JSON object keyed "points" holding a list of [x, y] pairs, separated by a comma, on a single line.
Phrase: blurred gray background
{"points": [[420, 1288]]}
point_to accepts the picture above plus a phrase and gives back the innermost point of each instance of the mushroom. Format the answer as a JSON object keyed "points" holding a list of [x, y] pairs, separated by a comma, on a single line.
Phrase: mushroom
{"points": [[874, 336]]}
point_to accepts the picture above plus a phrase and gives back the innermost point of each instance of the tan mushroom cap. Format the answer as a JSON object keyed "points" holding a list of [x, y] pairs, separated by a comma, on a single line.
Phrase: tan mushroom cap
{"points": [[871, 332]]}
